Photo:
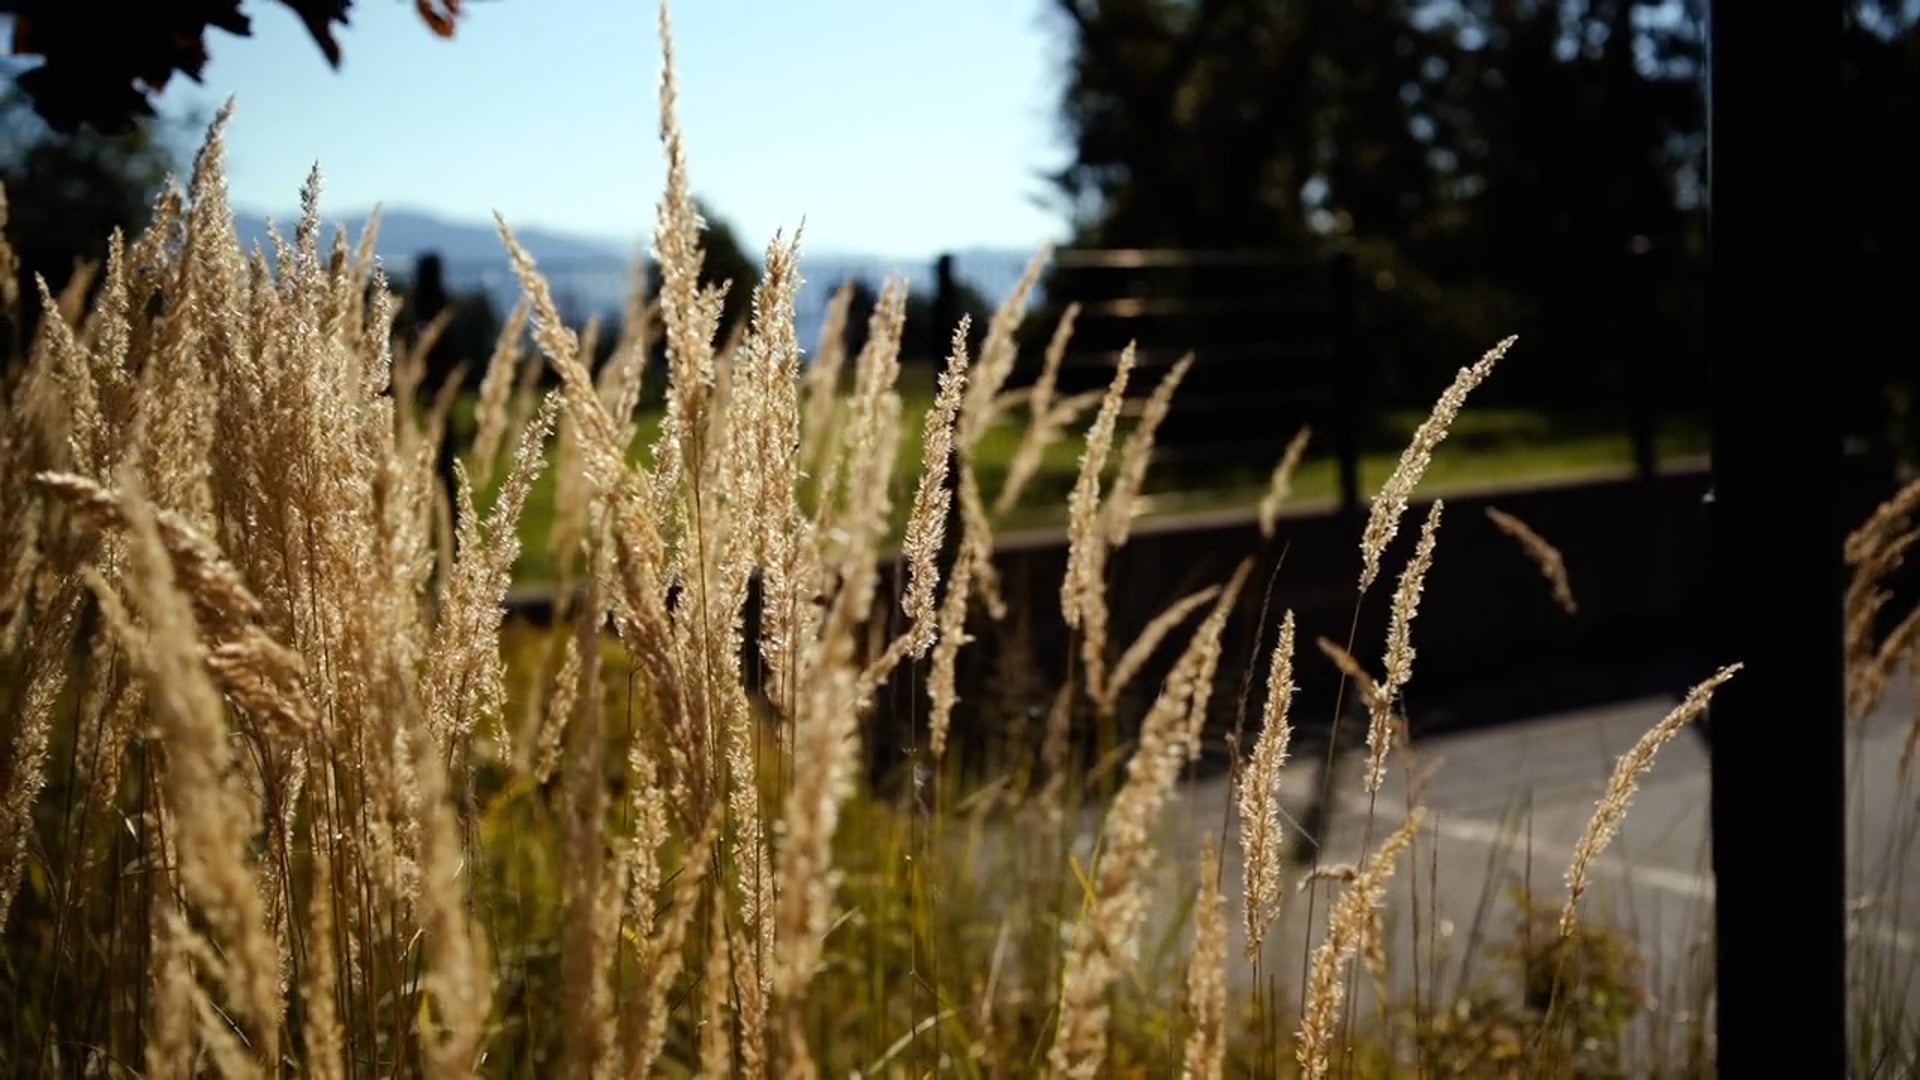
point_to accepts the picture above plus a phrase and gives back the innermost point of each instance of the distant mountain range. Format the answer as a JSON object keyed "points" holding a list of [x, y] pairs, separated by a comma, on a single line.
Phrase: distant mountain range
{"points": [[591, 275], [405, 234]]}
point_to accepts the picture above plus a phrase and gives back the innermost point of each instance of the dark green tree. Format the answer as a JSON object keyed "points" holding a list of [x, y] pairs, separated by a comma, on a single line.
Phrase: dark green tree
{"points": [[1225, 123], [67, 193], [1578, 172], [726, 260], [1880, 98], [1494, 165], [922, 339], [1287, 127], [472, 326]]}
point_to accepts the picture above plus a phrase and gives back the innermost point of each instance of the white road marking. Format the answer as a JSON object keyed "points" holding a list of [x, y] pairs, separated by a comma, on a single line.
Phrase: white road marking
{"points": [[1696, 887]]}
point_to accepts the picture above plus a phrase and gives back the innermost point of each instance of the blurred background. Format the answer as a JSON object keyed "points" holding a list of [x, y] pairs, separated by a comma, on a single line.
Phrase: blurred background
{"points": [[1334, 204]]}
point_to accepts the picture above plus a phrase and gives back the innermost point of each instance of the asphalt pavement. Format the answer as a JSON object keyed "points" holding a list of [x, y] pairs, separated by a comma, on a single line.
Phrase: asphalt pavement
{"points": [[1508, 803]]}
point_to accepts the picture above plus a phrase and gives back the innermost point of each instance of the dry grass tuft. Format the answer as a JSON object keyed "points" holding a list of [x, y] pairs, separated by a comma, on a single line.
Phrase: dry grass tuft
{"points": [[1621, 786], [1544, 555], [284, 791], [1261, 829], [1383, 518], [1280, 484]]}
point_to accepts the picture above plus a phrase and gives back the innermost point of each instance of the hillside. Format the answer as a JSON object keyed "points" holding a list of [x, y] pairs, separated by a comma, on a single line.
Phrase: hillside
{"points": [[591, 274]]}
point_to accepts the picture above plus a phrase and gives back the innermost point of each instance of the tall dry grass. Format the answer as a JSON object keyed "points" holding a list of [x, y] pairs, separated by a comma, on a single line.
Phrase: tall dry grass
{"points": [[277, 799]]}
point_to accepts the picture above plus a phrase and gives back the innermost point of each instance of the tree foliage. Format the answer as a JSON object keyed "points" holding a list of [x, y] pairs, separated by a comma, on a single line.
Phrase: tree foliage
{"points": [[66, 193], [727, 261], [1457, 149], [1206, 123], [922, 339], [102, 61], [1496, 165]]}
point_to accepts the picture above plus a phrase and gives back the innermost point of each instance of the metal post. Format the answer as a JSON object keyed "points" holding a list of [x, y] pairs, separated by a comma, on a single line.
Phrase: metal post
{"points": [[946, 305], [1777, 739], [1643, 275], [1347, 382]]}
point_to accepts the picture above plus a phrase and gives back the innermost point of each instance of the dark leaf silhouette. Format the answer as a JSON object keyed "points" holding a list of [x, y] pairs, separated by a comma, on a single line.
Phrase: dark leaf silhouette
{"points": [[102, 61], [439, 16]]}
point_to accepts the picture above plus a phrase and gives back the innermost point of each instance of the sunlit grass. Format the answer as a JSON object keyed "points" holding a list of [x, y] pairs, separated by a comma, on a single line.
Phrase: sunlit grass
{"points": [[1493, 448]]}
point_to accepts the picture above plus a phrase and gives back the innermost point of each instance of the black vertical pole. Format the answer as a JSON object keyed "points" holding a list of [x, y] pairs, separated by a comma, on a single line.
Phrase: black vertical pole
{"points": [[1777, 735], [1644, 352], [946, 304], [1347, 382]]}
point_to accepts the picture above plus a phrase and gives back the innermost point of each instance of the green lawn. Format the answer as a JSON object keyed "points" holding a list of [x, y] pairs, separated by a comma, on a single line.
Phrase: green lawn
{"points": [[1484, 447]]}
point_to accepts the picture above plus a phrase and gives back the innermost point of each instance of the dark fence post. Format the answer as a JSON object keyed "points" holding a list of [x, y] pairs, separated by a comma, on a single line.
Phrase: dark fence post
{"points": [[1777, 738], [1644, 276], [946, 303], [1642, 421], [1347, 412]]}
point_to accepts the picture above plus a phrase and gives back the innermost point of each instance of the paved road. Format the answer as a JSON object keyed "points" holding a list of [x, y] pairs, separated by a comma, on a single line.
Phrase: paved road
{"points": [[1509, 803]]}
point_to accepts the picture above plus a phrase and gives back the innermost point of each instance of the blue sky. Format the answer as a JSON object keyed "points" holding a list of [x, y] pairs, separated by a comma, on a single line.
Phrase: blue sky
{"points": [[895, 128]]}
